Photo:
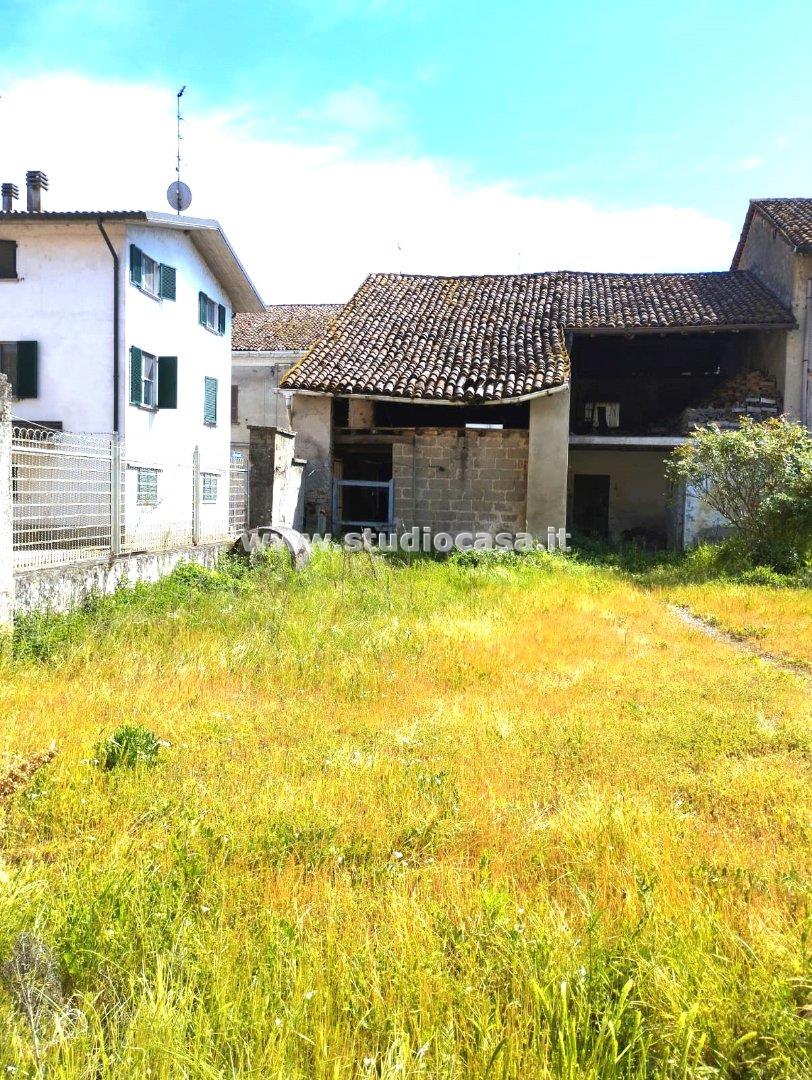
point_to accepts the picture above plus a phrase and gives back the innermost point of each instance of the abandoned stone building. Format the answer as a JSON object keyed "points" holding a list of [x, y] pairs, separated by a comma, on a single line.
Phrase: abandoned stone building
{"points": [[533, 401]]}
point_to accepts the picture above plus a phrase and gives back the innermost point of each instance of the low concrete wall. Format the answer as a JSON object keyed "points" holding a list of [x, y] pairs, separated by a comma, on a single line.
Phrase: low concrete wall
{"points": [[457, 479], [62, 588]]}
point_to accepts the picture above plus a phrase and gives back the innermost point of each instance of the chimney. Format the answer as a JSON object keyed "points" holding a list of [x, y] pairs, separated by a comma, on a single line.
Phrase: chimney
{"points": [[35, 183], [9, 192]]}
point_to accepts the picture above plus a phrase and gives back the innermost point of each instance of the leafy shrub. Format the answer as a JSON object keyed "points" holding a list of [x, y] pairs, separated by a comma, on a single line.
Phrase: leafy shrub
{"points": [[759, 477], [128, 747]]}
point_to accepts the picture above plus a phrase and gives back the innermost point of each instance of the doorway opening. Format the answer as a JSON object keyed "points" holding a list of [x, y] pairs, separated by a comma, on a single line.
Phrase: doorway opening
{"points": [[590, 505]]}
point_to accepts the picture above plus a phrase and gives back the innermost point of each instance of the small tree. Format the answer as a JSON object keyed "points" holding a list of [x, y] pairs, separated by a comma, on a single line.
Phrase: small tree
{"points": [[759, 477]]}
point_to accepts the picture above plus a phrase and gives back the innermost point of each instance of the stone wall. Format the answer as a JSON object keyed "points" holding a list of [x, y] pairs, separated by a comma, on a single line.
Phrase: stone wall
{"points": [[456, 480]]}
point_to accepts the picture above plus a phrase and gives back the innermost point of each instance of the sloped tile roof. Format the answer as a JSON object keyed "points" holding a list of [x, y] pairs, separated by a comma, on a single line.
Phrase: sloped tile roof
{"points": [[497, 338], [282, 327], [792, 218]]}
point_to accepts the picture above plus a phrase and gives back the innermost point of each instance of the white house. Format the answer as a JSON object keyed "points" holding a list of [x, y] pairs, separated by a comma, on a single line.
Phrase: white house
{"points": [[120, 322]]}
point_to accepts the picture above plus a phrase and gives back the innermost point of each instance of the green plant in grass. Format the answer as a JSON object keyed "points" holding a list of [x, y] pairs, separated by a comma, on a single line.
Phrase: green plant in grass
{"points": [[128, 747]]}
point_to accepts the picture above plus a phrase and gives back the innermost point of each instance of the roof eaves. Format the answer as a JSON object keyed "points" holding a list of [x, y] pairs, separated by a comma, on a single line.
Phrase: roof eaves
{"points": [[760, 205]]}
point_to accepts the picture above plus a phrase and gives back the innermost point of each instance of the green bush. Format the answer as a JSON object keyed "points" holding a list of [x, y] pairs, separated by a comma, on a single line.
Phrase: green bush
{"points": [[759, 477], [128, 747]]}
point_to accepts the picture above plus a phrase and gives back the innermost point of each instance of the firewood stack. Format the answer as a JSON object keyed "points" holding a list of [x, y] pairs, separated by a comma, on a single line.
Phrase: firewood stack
{"points": [[750, 393]]}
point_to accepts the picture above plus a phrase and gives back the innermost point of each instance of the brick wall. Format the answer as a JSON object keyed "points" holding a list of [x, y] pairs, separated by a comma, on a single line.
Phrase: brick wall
{"points": [[456, 479]]}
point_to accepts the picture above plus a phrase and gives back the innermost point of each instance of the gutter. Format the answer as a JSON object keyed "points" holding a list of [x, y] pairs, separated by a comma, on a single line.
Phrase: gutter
{"points": [[428, 401], [806, 390], [116, 364]]}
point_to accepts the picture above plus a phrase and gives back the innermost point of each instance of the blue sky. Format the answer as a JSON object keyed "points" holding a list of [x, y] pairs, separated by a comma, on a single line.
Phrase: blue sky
{"points": [[628, 106]]}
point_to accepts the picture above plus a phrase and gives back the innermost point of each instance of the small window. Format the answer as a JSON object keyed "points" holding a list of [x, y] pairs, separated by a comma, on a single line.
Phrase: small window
{"points": [[149, 380], [147, 487], [210, 402], [235, 404], [209, 488], [211, 314], [150, 272], [8, 259]]}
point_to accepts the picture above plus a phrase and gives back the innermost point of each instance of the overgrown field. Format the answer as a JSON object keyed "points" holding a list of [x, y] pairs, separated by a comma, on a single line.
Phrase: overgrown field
{"points": [[511, 820]]}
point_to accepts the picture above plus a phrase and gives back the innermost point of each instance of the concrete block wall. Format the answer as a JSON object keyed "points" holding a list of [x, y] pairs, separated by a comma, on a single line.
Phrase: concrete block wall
{"points": [[456, 480]]}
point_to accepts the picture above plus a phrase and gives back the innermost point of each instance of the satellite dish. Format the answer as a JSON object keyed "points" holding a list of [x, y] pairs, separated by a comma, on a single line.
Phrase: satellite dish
{"points": [[179, 196]]}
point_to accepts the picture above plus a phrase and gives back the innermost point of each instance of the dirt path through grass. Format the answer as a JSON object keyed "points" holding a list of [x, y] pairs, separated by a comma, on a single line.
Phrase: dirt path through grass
{"points": [[783, 663]]}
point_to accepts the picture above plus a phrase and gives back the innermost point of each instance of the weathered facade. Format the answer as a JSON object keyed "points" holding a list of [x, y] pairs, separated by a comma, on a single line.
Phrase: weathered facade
{"points": [[527, 402]]}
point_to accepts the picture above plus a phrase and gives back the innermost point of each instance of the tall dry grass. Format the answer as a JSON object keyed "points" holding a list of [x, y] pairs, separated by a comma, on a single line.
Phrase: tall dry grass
{"points": [[434, 820]]}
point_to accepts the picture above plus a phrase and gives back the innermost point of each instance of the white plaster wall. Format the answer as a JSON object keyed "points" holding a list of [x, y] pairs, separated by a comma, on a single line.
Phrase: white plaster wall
{"points": [[257, 375], [64, 301], [167, 437]]}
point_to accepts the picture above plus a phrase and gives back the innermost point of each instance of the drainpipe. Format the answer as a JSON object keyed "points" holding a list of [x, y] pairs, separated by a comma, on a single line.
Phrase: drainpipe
{"points": [[806, 419], [100, 223]]}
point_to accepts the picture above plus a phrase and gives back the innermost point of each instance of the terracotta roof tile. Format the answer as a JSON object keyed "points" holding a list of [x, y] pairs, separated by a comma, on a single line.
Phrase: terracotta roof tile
{"points": [[495, 338], [792, 218], [282, 327]]}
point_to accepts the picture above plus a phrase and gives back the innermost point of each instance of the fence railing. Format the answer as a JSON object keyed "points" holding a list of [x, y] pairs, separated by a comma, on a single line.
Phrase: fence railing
{"points": [[78, 497]]}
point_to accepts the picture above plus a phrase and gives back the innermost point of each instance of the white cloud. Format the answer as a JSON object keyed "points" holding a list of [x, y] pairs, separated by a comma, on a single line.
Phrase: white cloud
{"points": [[310, 221], [747, 164], [358, 108]]}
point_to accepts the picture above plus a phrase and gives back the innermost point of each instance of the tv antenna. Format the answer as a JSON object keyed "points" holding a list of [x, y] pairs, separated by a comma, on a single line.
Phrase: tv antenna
{"points": [[178, 194]]}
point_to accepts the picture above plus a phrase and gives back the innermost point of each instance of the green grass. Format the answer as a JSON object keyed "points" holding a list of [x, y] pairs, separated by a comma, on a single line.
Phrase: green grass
{"points": [[429, 820]]}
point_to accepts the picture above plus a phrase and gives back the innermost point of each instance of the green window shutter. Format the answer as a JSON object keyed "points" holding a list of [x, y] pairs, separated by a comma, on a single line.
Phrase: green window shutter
{"points": [[135, 264], [166, 288], [136, 389], [27, 369], [167, 382], [210, 401], [201, 308], [221, 319]]}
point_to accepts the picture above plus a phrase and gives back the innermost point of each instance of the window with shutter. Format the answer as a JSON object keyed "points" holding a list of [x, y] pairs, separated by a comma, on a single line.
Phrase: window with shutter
{"points": [[135, 265], [168, 282], [8, 260], [210, 401], [211, 314], [235, 404]]}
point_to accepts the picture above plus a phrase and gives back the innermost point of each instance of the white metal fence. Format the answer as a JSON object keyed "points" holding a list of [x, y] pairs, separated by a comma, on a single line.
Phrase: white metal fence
{"points": [[78, 497]]}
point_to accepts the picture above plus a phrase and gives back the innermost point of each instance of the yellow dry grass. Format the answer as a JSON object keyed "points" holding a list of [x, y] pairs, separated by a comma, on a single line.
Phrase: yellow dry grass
{"points": [[428, 821], [777, 621]]}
